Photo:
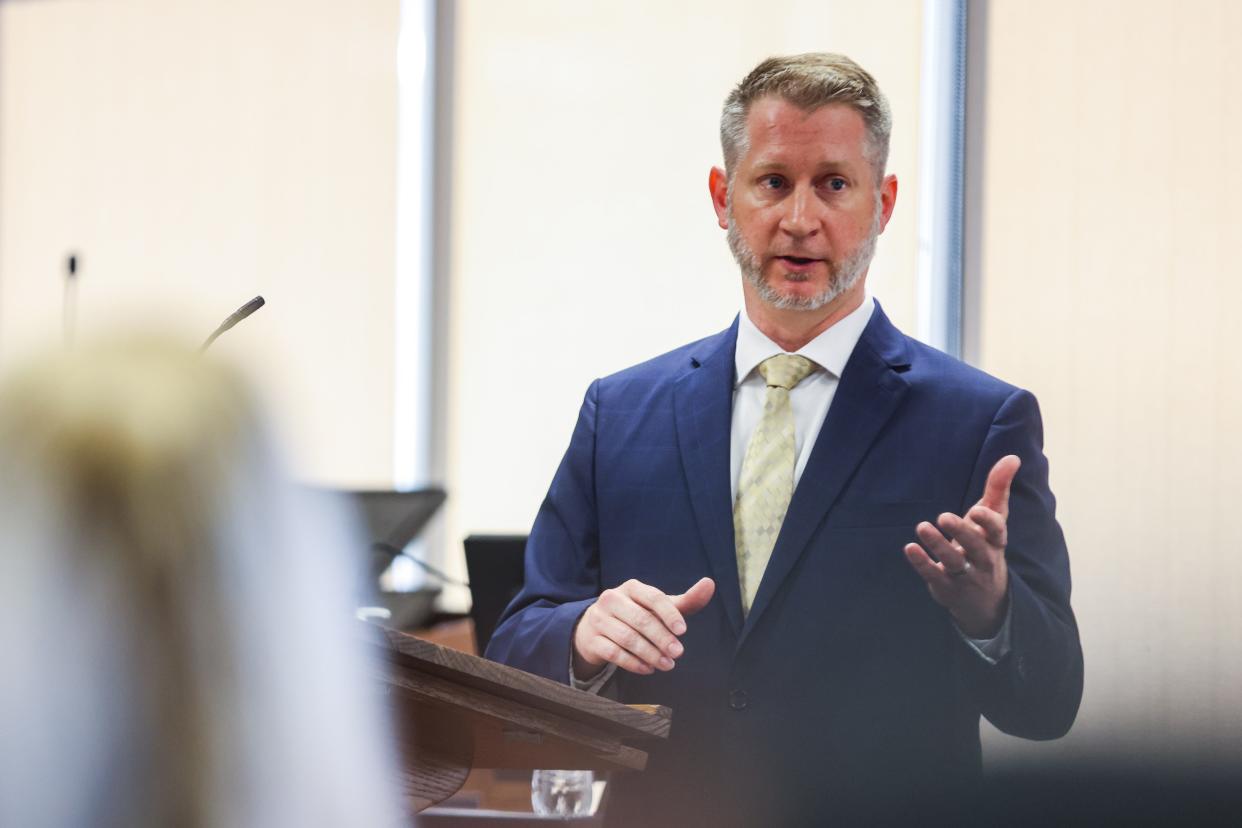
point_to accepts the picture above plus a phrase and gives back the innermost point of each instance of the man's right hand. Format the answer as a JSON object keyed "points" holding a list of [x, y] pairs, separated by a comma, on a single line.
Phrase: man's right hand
{"points": [[635, 627]]}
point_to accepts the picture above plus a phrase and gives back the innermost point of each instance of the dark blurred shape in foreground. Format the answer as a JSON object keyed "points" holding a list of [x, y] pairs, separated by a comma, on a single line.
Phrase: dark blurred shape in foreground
{"points": [[1100, 793]]}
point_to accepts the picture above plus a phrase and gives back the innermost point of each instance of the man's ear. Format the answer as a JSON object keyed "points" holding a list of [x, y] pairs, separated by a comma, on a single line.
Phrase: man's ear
{"points": [[888, 199], [718, 186]]}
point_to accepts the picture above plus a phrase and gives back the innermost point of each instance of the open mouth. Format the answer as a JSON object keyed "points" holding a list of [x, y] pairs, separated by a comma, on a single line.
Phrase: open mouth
{"points": [[797, 261]]}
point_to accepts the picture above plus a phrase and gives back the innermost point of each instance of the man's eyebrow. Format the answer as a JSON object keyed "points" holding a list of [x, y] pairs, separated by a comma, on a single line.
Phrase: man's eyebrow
{"points": [[776, 165], [769, 164]]}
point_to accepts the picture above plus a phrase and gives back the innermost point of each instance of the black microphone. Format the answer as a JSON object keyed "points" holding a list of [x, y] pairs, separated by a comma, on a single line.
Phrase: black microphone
{"points": [[69, 304], [235, 317]]}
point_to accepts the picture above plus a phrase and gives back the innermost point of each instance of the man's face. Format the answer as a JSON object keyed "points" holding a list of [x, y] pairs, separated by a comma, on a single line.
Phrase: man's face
{"points": [[802, 210]]}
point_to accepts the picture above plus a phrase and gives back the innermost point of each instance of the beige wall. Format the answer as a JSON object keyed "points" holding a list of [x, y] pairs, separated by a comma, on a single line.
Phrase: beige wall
{"points": [[583, 237], [197, 154], [1110, 287]]}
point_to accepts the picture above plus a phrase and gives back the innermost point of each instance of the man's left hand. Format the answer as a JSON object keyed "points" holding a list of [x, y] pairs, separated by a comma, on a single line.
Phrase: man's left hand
{"points": [[965, 570]]}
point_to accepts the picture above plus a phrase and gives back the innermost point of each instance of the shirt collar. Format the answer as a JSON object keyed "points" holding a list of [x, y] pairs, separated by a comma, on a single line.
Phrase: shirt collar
{"points": [[830, 350]]}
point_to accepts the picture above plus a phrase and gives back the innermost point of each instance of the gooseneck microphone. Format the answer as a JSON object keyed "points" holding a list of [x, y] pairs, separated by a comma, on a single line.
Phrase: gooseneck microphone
{"points": [[69, 303], [235, 317]]}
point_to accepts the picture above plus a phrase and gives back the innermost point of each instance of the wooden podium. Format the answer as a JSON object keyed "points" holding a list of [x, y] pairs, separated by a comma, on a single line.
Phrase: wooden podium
{"points": [[454, 711]]}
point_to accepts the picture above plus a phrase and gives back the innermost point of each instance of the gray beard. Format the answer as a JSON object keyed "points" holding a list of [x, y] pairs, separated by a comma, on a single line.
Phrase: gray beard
{"points": [[842, 276]]}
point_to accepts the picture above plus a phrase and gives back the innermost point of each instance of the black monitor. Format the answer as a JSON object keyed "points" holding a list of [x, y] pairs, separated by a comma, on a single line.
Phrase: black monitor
{"points": [[495, 564]]}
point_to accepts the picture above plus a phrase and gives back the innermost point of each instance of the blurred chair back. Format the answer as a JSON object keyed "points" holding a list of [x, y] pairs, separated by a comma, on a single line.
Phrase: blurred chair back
{"points": [[496, 568]]}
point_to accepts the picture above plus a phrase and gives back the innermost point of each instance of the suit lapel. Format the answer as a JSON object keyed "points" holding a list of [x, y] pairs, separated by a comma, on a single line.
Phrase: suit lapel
{"points": [[703, 402], [870, 391]]}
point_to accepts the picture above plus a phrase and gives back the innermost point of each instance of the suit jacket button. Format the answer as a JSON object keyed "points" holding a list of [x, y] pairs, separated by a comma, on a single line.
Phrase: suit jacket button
{"points": [[738, 700]]}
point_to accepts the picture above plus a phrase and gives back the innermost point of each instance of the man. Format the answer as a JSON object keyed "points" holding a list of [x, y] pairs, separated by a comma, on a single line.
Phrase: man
{"points": [[828, 547]]}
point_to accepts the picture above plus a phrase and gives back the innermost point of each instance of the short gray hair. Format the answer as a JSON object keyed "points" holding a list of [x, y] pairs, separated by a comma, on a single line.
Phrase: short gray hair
{"points": [[808, 82]]}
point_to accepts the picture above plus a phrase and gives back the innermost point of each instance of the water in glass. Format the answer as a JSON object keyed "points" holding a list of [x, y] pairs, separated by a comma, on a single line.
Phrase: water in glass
{"points": [[561, 792]]}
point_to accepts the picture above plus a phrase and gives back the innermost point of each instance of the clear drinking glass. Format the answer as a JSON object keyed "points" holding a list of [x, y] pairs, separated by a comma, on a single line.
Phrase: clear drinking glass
{"points": [[562, 792]]}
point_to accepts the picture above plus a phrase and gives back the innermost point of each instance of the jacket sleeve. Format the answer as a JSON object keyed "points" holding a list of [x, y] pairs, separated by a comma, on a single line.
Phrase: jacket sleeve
{"points": [[1035, 690], [562, 564]]}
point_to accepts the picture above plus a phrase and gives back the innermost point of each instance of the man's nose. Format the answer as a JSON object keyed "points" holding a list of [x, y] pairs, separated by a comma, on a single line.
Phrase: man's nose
{"points": [[801, 216]]}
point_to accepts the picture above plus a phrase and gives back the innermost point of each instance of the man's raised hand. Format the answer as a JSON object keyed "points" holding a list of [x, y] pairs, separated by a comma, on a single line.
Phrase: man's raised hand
{"points": [[963, 561], [635, 626]]}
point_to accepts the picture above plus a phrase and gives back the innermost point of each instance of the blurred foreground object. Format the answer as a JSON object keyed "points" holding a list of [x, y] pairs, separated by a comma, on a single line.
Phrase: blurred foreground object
{"points": [[176, 617]]}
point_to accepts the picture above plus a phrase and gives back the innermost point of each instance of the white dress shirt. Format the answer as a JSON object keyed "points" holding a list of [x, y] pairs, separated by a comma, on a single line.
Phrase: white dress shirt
{"points": [[809, 399]]}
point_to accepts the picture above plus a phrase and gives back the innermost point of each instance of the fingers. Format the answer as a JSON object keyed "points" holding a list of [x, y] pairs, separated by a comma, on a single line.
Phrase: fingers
{"points": [[930, 571], [620, 603], [662, 606], [1000, 480], [950, 555], [600, 650], [696, 597], [634, 643], [993, 525], [635, 626], [970, 540]]}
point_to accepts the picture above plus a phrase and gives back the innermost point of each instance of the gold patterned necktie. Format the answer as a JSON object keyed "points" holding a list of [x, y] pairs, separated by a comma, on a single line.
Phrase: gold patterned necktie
{"points": [[766, 484]]}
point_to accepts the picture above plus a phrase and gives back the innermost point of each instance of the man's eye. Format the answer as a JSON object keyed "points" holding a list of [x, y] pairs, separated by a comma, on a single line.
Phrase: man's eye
{"points": [[773, 182], [836, 184]]}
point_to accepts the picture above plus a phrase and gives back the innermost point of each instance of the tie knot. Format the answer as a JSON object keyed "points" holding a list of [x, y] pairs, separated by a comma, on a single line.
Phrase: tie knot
{"points": [[785, 370]]}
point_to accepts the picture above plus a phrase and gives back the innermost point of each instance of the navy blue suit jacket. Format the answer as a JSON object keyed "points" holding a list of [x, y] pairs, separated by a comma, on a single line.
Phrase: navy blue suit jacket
{"points": [[846, 685]]}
